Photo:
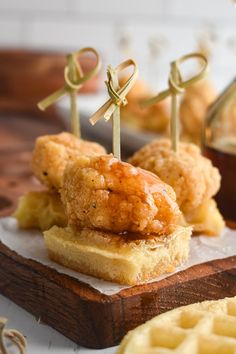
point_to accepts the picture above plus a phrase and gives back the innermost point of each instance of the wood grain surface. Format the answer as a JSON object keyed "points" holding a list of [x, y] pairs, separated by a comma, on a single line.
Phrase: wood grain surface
{"points": [[74, 308]]}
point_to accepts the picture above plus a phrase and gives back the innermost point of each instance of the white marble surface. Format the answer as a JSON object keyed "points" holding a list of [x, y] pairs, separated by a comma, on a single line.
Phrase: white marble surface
{"points": [[41, 338]]}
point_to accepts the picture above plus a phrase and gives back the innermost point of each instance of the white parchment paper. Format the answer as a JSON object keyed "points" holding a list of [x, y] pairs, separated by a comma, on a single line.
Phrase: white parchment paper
{"points": [[30, 244]]}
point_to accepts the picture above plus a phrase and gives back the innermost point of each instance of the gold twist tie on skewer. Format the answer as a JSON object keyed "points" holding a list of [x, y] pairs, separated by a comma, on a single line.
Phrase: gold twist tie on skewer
{"points": [[74, 80], [13, 336], [177, 86], [117, 95]]}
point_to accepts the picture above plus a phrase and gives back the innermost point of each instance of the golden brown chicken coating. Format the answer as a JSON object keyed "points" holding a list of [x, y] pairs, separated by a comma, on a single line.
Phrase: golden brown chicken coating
{"points": [[193, 109], [52, 153], [107, 194], [192, 176]]}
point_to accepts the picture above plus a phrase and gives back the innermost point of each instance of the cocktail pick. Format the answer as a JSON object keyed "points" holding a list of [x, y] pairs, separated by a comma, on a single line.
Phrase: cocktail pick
{"points": [[177, 86], [74, 80], [117, 99], [13, 336]]}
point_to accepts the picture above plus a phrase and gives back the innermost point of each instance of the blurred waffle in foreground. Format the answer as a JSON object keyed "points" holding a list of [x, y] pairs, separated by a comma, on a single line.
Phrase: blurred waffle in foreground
{"points": [[202, 328]]}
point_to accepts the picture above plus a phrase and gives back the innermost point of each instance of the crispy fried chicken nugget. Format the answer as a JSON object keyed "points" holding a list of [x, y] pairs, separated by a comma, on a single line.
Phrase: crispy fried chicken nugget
{"points": [[107, 194], [52, 153], [192, 176]]}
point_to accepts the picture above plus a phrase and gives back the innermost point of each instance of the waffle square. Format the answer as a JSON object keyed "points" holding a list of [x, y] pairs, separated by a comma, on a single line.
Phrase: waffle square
{"points": [[202, 328], [123, 259]]}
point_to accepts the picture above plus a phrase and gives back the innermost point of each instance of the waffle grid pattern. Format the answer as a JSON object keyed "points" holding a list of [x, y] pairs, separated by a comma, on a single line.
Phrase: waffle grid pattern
{"points": [[203, 328]]}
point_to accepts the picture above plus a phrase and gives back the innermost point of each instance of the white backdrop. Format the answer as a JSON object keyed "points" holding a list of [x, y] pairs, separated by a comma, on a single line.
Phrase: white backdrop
{"points": [[70, 24]]}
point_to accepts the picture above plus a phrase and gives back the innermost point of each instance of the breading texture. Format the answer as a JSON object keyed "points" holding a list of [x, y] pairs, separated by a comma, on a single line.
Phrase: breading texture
{"points": [[192, 176], [52, 153], [107, 194]]}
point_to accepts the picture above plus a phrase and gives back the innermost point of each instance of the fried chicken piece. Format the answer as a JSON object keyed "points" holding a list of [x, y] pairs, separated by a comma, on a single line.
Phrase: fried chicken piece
{"points": [[193, 108], [52, 153], [107, 194], [192, 176], [154, 118]]}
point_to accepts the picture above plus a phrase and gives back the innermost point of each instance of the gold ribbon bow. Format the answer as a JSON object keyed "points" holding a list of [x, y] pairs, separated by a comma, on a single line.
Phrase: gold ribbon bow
{"points": [[117, 99], [13, 335], [74, 80], [177, 86]]}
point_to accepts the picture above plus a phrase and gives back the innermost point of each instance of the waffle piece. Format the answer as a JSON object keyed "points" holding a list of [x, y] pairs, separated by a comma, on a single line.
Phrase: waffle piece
{"points": [[206, 219], [40, 210], [202, 328], [126, 259]]}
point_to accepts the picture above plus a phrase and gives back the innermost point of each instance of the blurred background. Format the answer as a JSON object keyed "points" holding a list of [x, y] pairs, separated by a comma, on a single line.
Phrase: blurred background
{"points": [[151, 31]]}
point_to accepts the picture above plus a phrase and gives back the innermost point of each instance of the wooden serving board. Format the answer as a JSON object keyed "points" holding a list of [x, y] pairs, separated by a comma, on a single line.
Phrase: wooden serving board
{"points": [[75, 309]]}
